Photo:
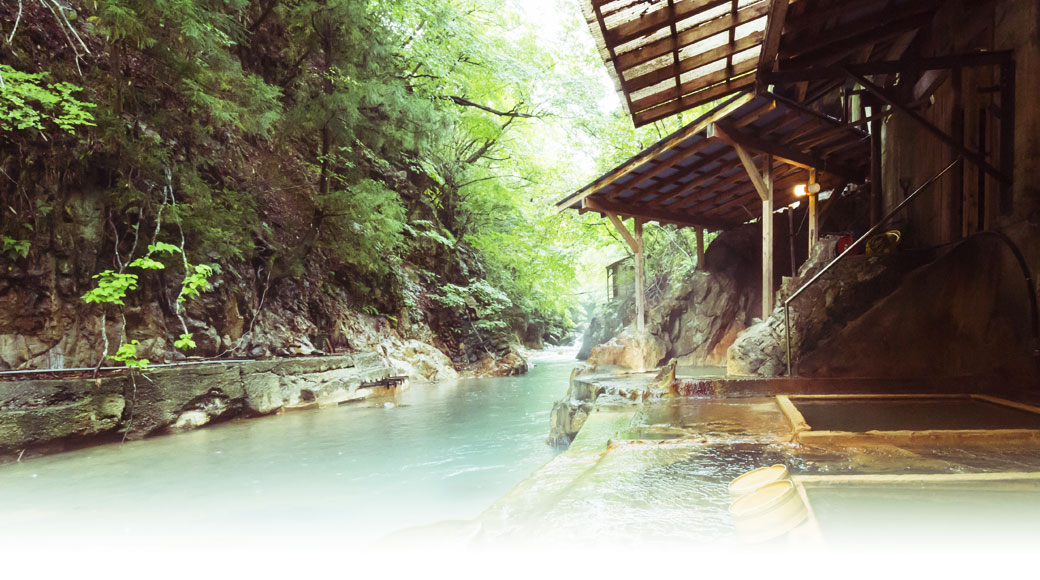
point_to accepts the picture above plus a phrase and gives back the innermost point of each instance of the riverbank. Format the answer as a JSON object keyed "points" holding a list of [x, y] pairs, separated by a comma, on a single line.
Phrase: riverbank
{"points": [[346, 474], [40, 416]]}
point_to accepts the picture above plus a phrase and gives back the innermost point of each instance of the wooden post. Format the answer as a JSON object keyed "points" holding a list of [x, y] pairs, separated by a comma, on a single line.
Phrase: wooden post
{"points": [[876, 188], [814, 218], [767, 239], [955, 199], [763, 183], [640, 279], [700, 248], [635, 242]]}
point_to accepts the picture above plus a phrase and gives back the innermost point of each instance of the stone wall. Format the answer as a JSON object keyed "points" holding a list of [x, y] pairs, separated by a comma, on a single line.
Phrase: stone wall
{"points": [[53, 415]]}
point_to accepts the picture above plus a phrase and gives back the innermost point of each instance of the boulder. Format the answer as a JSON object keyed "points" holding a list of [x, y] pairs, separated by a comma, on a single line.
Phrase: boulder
{"points": [[632, 350], [263, 392], [84, 416]]}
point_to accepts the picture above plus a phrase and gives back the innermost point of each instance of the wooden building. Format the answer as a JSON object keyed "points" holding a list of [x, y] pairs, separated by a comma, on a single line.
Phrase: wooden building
{"points": [[882, 93]]}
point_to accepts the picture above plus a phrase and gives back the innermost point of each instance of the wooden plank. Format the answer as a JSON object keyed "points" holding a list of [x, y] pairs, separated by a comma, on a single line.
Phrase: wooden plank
{"points": [[775, 21], [653, 21], [693, 84], [909, 15], [736, 175], [794, 417], [728, 21], [653, 77], [787, 154], [668, 108], [644, 182], [693, 184]]}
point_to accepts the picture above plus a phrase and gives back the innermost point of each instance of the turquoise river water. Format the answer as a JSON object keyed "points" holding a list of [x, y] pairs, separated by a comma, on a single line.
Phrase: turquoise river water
{"points": [[445, 451]]}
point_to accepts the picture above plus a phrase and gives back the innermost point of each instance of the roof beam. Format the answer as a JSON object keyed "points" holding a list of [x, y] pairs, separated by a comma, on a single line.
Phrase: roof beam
{"points": [[662, 216], [745, 159], [775, 21], [785, 153], [891, 67]]}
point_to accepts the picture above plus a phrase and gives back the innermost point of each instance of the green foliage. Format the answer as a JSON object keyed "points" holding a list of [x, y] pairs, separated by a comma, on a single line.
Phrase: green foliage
{"points": [[196, 281], [127, 354], [30, 101], [186, 341], [13, 248], [484, 299], [111, 288], [366, 224], [163, 248], [146, 263], [431, 232]]}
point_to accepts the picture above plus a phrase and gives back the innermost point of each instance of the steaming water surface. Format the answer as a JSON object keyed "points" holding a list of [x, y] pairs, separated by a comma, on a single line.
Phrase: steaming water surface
{"points": [[445, 452]]}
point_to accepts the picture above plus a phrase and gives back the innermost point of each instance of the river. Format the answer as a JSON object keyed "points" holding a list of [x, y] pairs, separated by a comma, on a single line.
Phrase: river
{"points": [[356, 473]]}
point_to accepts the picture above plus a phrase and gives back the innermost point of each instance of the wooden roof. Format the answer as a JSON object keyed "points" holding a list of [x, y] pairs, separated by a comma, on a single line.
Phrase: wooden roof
{"points": [[820, 35], [667, 56], [694, 177]]}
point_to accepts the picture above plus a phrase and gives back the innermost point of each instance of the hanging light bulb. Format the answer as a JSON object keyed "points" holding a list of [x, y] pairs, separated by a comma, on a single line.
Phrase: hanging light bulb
{"points": [[803, 189]]}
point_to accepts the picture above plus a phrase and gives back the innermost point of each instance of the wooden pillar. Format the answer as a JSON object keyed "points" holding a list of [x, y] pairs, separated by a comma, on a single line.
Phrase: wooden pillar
{"points": [[700, 248], [763, 183], [767, 239], [1007, 136], [814, 218], [955, 200], [876, 188], [640, 278], [635, 242]]}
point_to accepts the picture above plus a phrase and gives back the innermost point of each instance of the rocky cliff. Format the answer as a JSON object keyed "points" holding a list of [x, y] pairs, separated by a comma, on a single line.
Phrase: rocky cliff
{"points": [[694, 321]]}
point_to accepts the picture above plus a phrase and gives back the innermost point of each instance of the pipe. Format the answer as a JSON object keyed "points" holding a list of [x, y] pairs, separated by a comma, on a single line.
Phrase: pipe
{"points": [[151, 366], [1030, 288], [863, 238]]}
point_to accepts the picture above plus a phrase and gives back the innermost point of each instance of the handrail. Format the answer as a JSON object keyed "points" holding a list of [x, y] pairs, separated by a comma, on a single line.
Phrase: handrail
{"points": [[864, 237]]}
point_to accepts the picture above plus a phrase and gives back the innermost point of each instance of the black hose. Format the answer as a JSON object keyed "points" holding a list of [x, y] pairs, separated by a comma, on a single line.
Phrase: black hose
{"points": [[1030, 289]]}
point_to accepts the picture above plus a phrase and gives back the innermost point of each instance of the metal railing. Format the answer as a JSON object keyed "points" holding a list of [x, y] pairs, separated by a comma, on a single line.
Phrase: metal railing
{"points": [[863, 238]]}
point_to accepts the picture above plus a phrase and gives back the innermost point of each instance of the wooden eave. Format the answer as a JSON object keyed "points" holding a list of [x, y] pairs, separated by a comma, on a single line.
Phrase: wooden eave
{"points": [[694, 177], [667, 56]]}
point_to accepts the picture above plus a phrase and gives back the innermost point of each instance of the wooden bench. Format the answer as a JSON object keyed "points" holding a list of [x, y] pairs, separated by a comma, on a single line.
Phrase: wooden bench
{"points": [[387, 382]]}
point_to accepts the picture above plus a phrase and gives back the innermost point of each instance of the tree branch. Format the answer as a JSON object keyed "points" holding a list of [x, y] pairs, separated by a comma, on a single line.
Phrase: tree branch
{"points": [[514, 113]]}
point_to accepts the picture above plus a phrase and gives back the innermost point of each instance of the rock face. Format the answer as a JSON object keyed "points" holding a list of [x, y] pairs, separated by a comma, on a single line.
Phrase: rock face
{"points": [[419, 360], [48, 414], [900, 315], [606, 322], [631, 350], [966, 314], [695, 322], [841, 295]]}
